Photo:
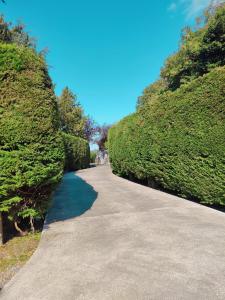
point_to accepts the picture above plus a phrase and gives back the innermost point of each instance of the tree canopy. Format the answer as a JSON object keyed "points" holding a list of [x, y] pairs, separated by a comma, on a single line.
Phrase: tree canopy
{"points": [[15, 34], [71, 113], [201, 49]]}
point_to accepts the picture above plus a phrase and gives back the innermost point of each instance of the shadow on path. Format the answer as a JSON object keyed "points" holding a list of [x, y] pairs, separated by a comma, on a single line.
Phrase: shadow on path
{"points": [[72, 198]]}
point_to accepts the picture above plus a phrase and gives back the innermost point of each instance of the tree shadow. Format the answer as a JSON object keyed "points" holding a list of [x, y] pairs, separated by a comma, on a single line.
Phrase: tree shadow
{"points": [[73, 197]]}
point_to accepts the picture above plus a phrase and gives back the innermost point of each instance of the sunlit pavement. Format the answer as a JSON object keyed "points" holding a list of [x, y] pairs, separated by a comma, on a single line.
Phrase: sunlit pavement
{"points": [[108, 238]]}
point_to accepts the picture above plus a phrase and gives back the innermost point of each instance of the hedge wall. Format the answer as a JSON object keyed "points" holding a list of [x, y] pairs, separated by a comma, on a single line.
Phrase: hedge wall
{"points": [[177, 141], [77, 152], [31, 148]]}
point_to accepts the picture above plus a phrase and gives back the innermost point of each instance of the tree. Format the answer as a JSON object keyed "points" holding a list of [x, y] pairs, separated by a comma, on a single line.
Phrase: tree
{"points": [[102, 136], [71, 113], [200, 51], [15, 34], [5, 34], [90, 129], [151, 92], [20, 37]]}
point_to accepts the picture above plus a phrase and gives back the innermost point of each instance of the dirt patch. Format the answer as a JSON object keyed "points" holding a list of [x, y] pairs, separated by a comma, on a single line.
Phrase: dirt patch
{"points": [[15, 253]]}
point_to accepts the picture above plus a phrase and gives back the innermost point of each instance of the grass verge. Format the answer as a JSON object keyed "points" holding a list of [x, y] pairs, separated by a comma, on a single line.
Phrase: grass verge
{"points": [[15, 253]]}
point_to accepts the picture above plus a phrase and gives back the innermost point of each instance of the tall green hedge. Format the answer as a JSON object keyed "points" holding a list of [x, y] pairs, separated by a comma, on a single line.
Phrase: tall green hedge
{"points": [[177, 141], [31, 148], [77, 152]]}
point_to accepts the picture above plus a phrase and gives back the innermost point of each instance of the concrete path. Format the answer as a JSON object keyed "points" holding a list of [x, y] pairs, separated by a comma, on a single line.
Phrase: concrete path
{"points": [[108, 238]]}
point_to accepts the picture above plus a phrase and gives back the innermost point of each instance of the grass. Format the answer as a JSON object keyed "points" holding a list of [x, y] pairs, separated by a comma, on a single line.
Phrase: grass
{"points": [[15, 253]]}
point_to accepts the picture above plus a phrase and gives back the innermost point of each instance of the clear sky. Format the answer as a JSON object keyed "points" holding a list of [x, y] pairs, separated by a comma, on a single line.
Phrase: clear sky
{"points": [[107, 52]]}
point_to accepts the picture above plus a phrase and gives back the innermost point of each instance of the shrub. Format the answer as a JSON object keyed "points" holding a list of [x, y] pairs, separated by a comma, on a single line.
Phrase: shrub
{"points": [[93, 156], [177, 140], [31, 148], [77, 152]]}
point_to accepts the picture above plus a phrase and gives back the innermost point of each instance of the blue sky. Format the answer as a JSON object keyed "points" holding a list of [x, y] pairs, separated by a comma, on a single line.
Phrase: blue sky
{"points": [[107, 52]]}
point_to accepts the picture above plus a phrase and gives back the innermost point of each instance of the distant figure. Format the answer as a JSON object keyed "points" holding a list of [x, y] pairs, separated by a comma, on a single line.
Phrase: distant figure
{"points": [[102, 158], [106, 157], [97, 159]]}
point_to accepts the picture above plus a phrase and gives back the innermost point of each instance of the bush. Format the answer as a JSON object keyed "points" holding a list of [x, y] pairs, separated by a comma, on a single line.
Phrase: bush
{"points": [[93, 156], [77, 152], [31, 148], [177, 140]]}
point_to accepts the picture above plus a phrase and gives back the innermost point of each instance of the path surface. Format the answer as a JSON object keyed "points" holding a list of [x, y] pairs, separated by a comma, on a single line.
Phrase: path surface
{"points": [[108, 238]]}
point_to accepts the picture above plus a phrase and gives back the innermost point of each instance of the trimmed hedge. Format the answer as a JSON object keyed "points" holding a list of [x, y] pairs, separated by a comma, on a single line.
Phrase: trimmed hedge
{"points": [[31, 147], [77, 152], [177, 141]]}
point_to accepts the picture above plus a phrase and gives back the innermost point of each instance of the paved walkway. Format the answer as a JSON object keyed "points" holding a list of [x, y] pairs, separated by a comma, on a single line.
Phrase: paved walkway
{"points": [[108, 238]]}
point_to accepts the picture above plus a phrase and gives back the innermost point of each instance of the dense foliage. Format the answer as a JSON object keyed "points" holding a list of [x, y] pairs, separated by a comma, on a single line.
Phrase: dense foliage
{"points": [[77, 152], [200, 51], [75, 127], [175, 140], [34, 150], [72, 117], [31, 148], [177, 144], [93, 155], [71, 113], [15, 34]]}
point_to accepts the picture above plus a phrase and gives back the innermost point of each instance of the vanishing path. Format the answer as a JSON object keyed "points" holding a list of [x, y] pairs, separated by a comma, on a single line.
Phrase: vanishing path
{"points": [[108, 238]]}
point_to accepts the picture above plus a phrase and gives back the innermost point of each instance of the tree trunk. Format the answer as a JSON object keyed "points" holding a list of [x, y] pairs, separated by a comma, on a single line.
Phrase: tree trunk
{"points": [[21, 232], [32, 224]]}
